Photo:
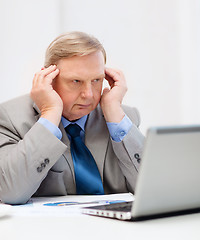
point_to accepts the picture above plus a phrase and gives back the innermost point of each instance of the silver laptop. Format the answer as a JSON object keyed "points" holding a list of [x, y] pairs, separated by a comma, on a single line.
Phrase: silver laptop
{"points": [[169, 177]]}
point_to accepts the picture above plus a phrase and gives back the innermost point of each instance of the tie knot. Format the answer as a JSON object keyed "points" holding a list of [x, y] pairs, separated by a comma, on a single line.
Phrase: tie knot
{"points": [[73, 130]]}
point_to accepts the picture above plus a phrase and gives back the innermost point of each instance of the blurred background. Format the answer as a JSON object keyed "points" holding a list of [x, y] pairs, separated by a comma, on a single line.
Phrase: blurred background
{"points": [[156, 43]]}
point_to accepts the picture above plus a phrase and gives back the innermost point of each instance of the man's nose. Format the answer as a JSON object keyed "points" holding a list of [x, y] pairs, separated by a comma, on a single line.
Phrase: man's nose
{"points": [[87, 91]]}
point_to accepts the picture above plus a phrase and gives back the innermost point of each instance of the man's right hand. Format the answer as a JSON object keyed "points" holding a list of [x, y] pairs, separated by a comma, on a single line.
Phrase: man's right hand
{"points": [[45, 97]]}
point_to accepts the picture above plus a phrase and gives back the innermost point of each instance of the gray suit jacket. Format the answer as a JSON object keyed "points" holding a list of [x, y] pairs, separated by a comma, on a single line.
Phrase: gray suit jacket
{"points": [[34, 162]]}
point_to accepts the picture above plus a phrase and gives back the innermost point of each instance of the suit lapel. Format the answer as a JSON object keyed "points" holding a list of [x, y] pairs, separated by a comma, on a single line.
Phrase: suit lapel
{"points": [[67, 154], [64, 139], [37, 110], [97, 137]]}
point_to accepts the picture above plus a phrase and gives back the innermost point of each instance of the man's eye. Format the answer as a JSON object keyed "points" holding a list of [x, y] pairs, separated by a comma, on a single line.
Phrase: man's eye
{"points": [[76, 81], [96, 80]]}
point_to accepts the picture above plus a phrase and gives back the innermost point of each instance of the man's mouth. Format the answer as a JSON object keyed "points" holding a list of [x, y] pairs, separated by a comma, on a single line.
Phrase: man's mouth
{"points": [[84, 105]]}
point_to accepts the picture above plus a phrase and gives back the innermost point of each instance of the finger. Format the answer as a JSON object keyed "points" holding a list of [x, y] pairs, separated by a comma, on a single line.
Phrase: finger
{"points": [[112, 76], [34, 82], [35, 79], [105, 90], [51, 76], [114, 70], [46, 72], [112, 73], [116, 75], [110, 80]]}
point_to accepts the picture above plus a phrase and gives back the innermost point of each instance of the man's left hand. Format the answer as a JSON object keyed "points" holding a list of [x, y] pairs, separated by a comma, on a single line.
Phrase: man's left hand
{"points": [[112, 98]]}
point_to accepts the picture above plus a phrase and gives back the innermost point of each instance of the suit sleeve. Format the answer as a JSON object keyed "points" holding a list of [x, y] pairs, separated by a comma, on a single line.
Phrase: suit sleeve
{"points": [[25, 162], [129, 150]]}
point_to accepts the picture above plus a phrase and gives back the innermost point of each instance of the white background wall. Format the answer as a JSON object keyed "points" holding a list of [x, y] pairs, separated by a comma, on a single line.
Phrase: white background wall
{"points": [[155, 42]]}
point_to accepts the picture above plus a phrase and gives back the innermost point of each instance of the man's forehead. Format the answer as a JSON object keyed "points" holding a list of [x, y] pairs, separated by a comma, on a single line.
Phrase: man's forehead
{"points": [[79, 76], [90, 66]]}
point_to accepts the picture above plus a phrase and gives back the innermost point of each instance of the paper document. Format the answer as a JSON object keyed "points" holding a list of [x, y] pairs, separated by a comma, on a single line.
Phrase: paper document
{"points": [[65, 205]]}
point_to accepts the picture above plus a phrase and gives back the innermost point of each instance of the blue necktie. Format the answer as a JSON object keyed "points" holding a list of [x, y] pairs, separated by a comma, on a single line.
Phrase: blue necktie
{"points": [[88, 179]]}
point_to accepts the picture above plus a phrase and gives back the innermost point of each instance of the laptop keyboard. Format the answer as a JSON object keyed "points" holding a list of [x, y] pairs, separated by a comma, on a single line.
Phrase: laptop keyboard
{"points": [[122, 207]]}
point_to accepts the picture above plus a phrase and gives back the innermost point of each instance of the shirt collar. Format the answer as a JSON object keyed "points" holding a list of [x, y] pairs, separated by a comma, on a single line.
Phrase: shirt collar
{"points": [[81, 122]]}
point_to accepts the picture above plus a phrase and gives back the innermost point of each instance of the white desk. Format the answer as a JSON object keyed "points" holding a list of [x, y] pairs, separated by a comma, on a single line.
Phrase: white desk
{"points": [[88, 227]]}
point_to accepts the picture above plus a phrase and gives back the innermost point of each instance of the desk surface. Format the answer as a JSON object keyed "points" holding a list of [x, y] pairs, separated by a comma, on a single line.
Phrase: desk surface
{"points": [[89, 227], [78, 226]]}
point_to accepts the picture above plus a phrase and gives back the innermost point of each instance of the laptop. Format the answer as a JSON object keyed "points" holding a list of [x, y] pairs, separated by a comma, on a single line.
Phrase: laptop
{"points": [[169, 177]]}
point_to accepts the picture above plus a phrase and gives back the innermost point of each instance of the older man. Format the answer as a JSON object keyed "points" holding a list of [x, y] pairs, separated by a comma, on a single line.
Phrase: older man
{"points": [[69, 136]]}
